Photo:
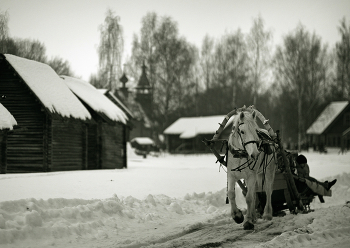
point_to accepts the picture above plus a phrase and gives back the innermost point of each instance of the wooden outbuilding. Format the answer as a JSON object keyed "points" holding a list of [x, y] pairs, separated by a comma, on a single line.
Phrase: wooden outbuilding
{"points": [[7, 122], [143, 143], [123, 107], [329, 129], [53, 120], [107, 134], [186, 134]]}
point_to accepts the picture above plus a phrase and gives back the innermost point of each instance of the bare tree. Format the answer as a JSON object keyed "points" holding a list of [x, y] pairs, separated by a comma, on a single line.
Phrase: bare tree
{"points": [[258, 43], [143, 48], [4, 29], [110, 49], [206, 60], [60, 66], [230, 68], [300, 71], [343, 60], [170, 60], [31, 49]]}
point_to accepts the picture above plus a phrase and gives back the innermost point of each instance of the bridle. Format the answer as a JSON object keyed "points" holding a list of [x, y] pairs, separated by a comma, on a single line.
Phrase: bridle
{"points": [[248, 142], [244, 154]]}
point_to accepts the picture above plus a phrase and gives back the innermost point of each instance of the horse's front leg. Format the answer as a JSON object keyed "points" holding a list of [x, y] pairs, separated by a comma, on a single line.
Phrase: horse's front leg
{"points": [[250, 199], [270, 177], [236, 213]]}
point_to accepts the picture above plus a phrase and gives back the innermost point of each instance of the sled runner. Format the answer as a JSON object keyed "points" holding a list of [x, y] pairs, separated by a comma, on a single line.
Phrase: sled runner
{"points": [[290, 191]]}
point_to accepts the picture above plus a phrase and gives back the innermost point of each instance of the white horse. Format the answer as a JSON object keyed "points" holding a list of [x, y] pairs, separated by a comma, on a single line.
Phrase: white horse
{"points": [[246, 161]]}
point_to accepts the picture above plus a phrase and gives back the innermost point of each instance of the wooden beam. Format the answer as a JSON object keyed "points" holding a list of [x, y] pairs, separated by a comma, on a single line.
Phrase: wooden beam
{"points": [[3, 161]]}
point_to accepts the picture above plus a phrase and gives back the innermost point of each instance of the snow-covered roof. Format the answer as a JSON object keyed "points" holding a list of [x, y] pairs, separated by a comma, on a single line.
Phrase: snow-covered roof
{"points": [[49, 88], [346, 131], [7, 121], [190, 127], [327, 116], [143, 141], [118, 102], [95, 99]]}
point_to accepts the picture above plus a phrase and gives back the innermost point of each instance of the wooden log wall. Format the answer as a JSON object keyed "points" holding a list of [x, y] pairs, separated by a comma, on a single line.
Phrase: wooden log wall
{"points": [[25, 148], [68, 145], [3, 153], [93, 147], [113, 155]]}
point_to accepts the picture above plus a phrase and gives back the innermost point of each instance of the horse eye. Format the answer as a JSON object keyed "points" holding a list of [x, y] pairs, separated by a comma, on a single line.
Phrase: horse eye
{"points": [[242, 132]]}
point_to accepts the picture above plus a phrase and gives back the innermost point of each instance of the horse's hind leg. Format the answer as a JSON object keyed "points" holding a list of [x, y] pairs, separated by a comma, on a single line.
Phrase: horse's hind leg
{"points": [[236, 214], [270, 177]]}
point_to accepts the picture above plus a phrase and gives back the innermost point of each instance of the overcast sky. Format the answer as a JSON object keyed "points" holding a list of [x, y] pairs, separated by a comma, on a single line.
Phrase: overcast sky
{"points": [[69, 28]]}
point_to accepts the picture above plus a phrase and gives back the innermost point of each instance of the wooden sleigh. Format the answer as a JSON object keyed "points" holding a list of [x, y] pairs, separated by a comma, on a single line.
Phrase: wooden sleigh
{"points": [[289, 191]]}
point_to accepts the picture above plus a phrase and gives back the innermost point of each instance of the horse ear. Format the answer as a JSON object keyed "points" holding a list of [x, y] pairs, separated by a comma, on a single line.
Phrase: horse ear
{"points": [[241, 115]]}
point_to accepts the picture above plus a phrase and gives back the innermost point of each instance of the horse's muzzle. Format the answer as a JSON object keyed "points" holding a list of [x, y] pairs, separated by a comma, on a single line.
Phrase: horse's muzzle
{"points": [[254, 156]]}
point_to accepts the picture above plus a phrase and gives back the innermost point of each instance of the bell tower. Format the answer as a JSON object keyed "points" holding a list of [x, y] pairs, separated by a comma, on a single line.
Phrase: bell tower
{"points": [[144, 92]]}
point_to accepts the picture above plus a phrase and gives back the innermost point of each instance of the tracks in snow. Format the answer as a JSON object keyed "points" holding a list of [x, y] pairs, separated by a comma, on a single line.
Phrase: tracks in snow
{"points": [[221, 233]]}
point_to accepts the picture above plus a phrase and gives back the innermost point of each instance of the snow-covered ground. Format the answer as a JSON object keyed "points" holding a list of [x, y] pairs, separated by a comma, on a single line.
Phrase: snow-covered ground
{"points": [[165, 201]]}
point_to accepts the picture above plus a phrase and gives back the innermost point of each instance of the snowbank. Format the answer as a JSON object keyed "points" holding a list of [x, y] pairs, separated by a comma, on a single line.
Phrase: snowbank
{"points": [[53, 220], [7, 121], [169, 201]]}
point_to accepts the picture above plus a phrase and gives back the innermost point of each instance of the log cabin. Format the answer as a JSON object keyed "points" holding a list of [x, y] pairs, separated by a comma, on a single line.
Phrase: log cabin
{"points": [[107, 134], [185, 135], [330, 127], [52, 119]]}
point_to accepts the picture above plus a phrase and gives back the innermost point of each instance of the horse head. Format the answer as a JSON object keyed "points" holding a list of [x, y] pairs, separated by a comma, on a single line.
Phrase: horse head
{"points": [[244, 136]]}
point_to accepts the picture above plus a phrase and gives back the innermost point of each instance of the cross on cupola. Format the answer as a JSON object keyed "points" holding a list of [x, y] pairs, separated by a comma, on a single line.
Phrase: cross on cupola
{"points": [[124, 80]]}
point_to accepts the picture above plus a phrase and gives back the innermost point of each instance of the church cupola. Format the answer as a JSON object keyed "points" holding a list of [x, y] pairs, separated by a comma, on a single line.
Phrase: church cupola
{"points": [[124, 89]]}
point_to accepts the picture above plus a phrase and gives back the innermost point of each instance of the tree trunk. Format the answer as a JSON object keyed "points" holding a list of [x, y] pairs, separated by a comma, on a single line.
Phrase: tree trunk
{"points": [[300, 123]]}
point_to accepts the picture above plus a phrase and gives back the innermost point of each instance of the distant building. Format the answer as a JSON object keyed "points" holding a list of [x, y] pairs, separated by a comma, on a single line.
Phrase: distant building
{"points": [[143, 145], [139, 102], [330, 127], [186, 134], [144, 93]]}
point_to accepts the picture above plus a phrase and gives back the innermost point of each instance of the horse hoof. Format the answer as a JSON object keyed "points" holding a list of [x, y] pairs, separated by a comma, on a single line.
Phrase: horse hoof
{"points": [[267, 217], [248, 226], [239, 219]]}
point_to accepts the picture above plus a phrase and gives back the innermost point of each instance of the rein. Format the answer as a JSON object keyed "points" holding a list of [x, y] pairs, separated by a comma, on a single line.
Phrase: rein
{"points": [[262, 147]]}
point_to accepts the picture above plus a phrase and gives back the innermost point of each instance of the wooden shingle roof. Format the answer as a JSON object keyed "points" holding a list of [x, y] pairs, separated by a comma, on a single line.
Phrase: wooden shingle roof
{"points": [[328, 115]]}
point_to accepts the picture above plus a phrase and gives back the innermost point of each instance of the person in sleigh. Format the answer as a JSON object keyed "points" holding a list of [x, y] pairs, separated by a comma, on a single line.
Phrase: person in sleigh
{"points": [[303, 170]]}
